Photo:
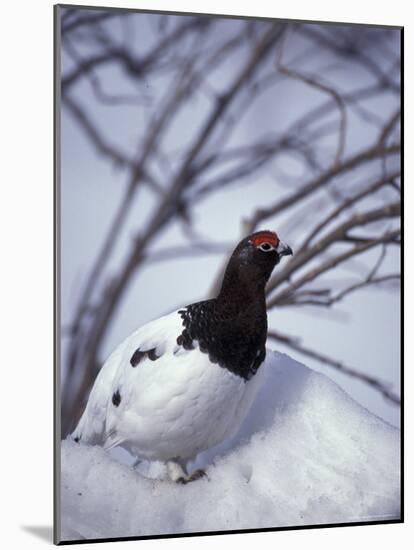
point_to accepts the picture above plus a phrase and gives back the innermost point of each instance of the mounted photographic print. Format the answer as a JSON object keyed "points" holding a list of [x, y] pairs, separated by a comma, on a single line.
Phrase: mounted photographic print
{"points": [[228, 264]]}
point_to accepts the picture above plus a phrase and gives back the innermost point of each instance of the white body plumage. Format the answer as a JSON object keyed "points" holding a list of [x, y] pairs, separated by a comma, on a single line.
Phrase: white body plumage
{"points": [[169, 409]]}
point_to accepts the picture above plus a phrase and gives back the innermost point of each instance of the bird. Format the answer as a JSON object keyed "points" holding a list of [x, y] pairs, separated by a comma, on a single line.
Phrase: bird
{"points": [[185, 382]]}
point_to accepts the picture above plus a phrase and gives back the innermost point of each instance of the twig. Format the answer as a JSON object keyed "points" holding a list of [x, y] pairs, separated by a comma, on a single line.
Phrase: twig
{"points": [[329, 264], [336, 235], [327, 177], [367, 191], [338, 297], [338, 99], [134, 66], [375, 383]]}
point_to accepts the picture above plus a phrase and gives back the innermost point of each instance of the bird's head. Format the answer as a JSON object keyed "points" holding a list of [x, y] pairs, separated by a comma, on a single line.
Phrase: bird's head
{"points": [[254, 258]]}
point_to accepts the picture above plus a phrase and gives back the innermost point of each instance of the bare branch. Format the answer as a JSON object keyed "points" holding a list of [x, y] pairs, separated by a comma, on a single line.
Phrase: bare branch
{"points": [[388, 128], [330, 264], [323, 87], [88, 20], [94, 135], [327, 177], [133, 65], [375, 383], [336, 235], [338, 297], [369, 190], [349, 51]]}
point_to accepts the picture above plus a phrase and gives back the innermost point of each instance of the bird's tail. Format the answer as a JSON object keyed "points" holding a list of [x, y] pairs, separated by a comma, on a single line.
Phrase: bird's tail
{"points": [[91, 426]]}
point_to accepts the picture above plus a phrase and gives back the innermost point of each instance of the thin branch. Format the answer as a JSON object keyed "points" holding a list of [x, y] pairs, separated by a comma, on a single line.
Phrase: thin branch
{"points": [[388, 128], [327, 177], [348, 51], [329, 264], [93, 133], [368, 191], [375, 383], [336, 235], [317, 84], [338, 297], [133, 65], [88, 20]]}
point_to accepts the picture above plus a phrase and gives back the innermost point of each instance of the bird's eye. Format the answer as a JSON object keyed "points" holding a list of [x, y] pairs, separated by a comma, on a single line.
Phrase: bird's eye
{"points": [[265, 247]]}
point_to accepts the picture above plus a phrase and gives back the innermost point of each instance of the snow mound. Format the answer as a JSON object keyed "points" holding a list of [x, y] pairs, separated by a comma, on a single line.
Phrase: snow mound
{"points": [[306, 454]]}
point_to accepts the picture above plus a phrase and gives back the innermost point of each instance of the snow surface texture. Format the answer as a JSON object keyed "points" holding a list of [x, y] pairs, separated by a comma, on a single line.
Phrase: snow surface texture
{"points": [[306, 454]]}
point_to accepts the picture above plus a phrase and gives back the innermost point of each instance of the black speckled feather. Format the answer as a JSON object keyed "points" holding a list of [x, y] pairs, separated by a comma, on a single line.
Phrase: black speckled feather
{"points": [[236, 343]]}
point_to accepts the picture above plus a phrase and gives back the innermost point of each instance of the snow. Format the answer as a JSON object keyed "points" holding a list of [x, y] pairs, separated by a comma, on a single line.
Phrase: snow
{"points": [[306, 454]]}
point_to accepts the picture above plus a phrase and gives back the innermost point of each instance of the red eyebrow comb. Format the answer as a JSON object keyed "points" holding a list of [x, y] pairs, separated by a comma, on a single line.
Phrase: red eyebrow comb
{"points": [[265, 237]]}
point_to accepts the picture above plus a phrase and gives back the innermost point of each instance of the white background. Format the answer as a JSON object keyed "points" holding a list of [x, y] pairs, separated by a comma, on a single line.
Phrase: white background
{"points": [[26, 246]]}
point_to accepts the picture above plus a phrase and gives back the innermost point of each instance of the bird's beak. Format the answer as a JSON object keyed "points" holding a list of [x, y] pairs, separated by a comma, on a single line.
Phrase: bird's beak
{"points": [[283, 249]]}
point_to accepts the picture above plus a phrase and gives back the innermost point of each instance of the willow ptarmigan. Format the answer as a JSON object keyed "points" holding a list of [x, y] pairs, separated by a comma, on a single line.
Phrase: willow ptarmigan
{"points": [[185, 382]]}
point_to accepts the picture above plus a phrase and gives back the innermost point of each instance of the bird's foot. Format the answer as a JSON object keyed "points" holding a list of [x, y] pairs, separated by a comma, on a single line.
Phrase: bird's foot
{"points": [[177, 472], [198, 474]]}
